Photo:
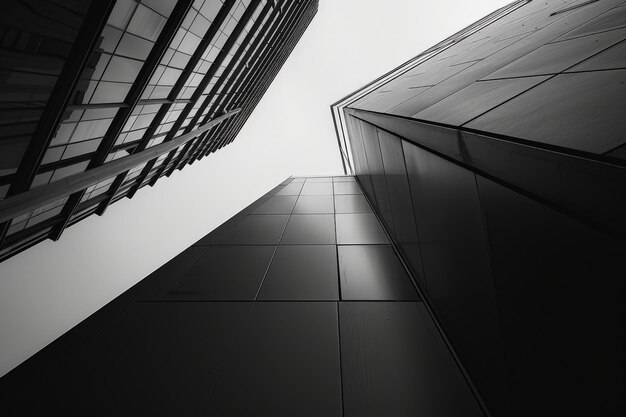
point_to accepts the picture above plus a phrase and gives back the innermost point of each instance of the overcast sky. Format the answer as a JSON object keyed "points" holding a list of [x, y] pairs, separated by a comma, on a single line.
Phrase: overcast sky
{"points": [[49, 288]]}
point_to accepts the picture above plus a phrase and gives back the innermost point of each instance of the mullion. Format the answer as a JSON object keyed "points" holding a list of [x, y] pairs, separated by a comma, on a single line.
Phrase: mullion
{"points": [[86, 41], [232, 38], [122, 116], [256, 69], [274, 23], [180, 83], [261, 56], [260, 92], [234, 130], [230, 42], [231, 64], [272, 49], [87, 207], [269, 79], [213, 91], [234, 72], [229, 136], [242, 73], [280, 38]]}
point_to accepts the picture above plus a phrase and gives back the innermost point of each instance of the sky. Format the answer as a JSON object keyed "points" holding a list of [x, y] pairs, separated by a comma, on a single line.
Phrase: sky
{"points": [[51, 287]]}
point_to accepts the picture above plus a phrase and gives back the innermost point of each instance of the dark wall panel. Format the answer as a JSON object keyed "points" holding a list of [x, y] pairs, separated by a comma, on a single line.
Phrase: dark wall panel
{"points": [[362, 170], [592, 120], [514, 284], [219, 275], [285, 363], [504, 194], [456, 261], [560, 287], [246, 323], [128, 367], [395, 364], [377, 173], [405, 230]]}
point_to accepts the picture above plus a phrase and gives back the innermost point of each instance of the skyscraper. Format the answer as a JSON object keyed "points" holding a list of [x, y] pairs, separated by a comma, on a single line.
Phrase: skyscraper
{"points": [[469, 264], [101, 98], [496, 161]]}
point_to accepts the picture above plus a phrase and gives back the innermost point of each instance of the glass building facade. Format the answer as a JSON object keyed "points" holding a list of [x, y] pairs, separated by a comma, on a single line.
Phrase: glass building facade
{"points": [[86, 84]]}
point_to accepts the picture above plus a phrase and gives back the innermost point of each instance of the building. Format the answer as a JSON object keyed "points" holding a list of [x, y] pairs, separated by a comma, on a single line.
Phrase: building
{"points": [[101, 98], [267, 334], [469, 264], [496, 161]]}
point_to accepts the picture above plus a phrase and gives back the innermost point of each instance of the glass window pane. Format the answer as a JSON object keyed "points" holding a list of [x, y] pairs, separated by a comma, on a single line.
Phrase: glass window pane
{"points": [[164, 7], [81, 148], [63, 134], [189, 43], [111, 36], [108, 92], [69, 170], [170, 76], [91, 129], [134, 46], [122, 69], [146, 23], [121, 13]]}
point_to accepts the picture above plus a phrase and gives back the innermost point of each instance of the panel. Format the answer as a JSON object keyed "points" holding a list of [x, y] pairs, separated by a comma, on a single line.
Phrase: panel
{"points": [[359, 229], [223, 273], [255, 230], [302, 272], [560, 287], [476, 99], [618, 152], [282, 204], [555, 57], [609, 20], [108, 92], [377, 172], [343, 179], [566, 110], [612, 58], [146, 23], [312, 204], [305, 229], [121, 13], [285, 363], [405, 232], [346, 187], [358, 153], [317, 188], [319, 179], [134, 47], [426, 96], [370, 272], [455, 256], [351, 204], [292, 188], [160, 359], [394, 363], [122, 69]]}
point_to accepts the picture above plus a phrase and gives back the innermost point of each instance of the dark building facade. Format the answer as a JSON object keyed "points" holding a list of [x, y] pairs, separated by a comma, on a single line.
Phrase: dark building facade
{"points": [[496, 161], [298, 305], [101, 98]]}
